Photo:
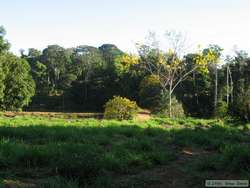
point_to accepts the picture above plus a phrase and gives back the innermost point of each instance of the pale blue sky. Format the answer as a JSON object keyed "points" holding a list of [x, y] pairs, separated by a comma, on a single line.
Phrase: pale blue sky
{"points": [[38, 23]]}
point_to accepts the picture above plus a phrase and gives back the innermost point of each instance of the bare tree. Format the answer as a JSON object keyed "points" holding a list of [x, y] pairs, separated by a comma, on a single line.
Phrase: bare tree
{"points": [[229, 82]]}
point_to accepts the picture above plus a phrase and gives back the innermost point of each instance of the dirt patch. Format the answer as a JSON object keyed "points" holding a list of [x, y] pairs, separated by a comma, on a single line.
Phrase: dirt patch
{"points": [[165, 176], [54, 114], [194, 151], [143, 115], [176, 174], [17, 183]]}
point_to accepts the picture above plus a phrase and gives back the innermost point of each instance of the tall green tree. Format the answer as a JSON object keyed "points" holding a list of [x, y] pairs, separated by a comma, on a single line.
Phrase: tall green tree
{"points": [[215, 61], [4, 44], [240, 98], [38, 71], [196, 91], [87, 60], [19, 86], [56, 59]]}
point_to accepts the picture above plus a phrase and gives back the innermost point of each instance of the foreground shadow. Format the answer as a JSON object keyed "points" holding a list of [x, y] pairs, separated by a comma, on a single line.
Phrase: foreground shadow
{"points": [[93, 155]]}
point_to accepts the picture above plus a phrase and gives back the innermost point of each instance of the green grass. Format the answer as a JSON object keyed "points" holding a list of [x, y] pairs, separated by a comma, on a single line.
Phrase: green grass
{"points": [[58, 152]]}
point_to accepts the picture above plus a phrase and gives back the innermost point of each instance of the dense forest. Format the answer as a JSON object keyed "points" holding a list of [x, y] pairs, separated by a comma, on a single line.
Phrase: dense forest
{"points": [[84, 78]]}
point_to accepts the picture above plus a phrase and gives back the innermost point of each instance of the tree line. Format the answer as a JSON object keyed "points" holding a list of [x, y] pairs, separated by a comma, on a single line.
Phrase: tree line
{"points": [[84, 78]]}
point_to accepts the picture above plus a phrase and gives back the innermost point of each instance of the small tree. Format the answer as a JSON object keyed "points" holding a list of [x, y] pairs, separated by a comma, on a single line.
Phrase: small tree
{"points": [[169, 66], [163, 106]]}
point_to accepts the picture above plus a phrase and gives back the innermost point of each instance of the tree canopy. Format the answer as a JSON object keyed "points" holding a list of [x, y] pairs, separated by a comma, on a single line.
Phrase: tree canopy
{"points": [[84, 78], [17, 84]]}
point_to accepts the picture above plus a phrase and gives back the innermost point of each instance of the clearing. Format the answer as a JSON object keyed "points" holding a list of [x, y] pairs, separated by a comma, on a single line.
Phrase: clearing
{"points": [[61, 151]]}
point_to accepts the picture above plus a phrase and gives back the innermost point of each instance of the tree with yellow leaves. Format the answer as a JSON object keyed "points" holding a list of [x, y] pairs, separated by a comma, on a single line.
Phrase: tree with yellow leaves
{"points": [[213, 52], [169, 66], [123, 63]]}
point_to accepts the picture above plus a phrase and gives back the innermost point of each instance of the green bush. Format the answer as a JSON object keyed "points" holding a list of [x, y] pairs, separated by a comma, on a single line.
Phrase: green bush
{"points": [[241, 106], [163, 106], [238, 156], [222, 109], [120, 108]]}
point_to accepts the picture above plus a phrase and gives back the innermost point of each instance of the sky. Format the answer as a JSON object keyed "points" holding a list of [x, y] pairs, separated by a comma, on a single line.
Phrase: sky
{"points": [[69, 23]]}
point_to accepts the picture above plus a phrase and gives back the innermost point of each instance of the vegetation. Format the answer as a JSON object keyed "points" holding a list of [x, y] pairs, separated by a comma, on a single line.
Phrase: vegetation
{"points": [[163, 106], [150, 93], [59, 152], [64, 150], [17, 86], [241, 107], [120, 108], [84, 78]]}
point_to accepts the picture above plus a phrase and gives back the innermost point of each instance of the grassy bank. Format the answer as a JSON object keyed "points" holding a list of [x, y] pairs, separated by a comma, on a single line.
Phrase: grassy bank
{"points": [[61, 152]]}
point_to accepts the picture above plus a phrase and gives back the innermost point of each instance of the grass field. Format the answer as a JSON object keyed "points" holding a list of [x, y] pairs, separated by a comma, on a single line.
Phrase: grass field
{"points": [[44, 151]]}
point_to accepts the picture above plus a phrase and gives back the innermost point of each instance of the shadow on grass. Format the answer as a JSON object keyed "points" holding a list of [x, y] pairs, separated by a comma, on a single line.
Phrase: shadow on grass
{"points": [[98, 156]]}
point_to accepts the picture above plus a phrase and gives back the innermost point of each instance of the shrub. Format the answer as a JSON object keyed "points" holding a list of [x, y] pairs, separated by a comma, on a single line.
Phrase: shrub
{"points": [[163, 106], [241, 106], [120, 108], [221, 110], [238, 156]]}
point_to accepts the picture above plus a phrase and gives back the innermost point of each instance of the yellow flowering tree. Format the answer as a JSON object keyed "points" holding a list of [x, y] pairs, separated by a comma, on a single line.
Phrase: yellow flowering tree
{"points": [[213, 53], [124, 62], [170, 67]]}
